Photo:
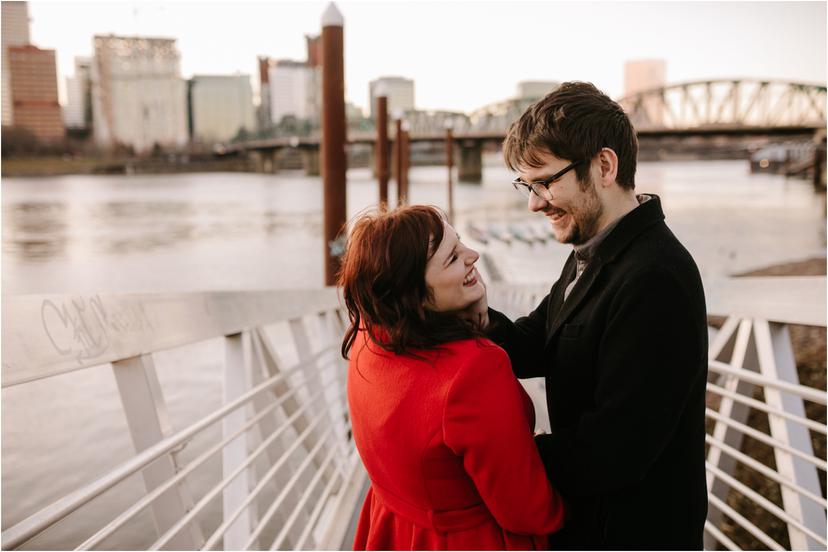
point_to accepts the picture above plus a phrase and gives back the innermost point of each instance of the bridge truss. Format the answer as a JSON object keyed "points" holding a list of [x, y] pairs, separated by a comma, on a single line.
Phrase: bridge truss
{"points": [[728, 104]]}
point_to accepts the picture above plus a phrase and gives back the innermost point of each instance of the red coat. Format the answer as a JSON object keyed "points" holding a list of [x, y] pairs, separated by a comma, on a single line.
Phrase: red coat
{"points": [[447, 443]]}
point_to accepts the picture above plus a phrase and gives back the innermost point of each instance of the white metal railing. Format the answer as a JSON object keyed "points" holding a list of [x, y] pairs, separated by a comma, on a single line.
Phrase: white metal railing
{"points": [[292, 419], [752, 369]]}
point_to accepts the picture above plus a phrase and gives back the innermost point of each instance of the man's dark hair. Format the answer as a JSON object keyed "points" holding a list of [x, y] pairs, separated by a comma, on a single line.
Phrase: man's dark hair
{"points": [[573, 122]]}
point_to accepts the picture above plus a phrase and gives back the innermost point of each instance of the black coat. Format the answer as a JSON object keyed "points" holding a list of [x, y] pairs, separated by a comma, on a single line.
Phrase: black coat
{"points": [[625, 362]]}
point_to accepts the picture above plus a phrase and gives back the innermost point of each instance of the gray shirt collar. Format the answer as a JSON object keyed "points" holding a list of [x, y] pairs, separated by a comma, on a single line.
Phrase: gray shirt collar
{"points": [[585, 251]]}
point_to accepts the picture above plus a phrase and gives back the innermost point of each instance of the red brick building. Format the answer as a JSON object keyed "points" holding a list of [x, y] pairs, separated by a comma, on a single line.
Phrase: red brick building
{"points": [[34, 91]]}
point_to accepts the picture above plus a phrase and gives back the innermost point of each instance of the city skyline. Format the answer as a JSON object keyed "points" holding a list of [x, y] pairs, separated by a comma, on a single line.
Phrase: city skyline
{"points": [[465, 65]]}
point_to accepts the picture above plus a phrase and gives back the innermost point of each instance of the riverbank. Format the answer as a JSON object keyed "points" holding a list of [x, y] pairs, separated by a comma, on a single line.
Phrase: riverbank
{"points": [[60, 166], [809, 345]]}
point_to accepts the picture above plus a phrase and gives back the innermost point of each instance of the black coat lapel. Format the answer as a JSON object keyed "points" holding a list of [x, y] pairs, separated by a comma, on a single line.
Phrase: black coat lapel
{"points": [[567, 275], [577, 295], [613, 245]]}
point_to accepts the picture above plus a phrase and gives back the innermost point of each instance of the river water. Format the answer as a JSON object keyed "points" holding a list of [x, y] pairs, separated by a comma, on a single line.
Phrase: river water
{"points": [[233, 231]]}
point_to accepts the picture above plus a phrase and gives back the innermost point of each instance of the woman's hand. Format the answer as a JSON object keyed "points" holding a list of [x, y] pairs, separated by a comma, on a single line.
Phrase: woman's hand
{"points": [[478, 312]]}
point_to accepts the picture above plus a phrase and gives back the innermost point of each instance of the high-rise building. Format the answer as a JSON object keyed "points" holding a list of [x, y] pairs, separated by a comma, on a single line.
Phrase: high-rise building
{"points": [[295, 91], [398, 90], [138, 96], [535, 90], [220, 106], [34, 92], [78, 111], [314, 47], [15, 32], [645, 74]]}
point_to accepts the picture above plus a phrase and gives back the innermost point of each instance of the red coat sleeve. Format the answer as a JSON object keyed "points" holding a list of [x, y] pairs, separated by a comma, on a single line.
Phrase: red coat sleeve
{"points": [[484, 422]]}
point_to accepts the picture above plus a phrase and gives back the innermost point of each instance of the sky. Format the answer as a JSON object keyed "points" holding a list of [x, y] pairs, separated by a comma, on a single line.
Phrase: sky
{"points": [[463, 55]]}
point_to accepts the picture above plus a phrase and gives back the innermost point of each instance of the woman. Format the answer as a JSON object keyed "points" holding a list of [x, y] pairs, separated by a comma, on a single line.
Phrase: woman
{"points": [[442, 425]]}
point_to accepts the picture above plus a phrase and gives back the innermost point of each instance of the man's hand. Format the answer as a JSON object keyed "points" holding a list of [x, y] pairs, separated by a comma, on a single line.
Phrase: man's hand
{"points": [[478, 312]]}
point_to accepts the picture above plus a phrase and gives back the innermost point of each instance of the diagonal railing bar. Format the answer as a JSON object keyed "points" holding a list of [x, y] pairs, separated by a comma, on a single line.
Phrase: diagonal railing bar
{"points": [[807, 393], [265, 519], [764, 470], [317, 511], [147, 499], [744, 523], [327, 492], [172, 531], [764, 407], [280, 538], [34, 524], [766, 439], [765, 503], [719, 536], [219, 532]]}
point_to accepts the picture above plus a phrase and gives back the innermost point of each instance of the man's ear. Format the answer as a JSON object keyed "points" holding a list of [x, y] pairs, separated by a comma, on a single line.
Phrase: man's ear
{"points": [[609, 166]]}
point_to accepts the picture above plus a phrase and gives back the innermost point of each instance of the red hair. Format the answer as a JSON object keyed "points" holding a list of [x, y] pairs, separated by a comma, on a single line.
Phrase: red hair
{"points": [[383, 281]]}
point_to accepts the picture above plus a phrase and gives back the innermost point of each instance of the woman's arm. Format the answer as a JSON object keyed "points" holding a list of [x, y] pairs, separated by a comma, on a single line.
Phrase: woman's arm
{"points": [[485, 422]]}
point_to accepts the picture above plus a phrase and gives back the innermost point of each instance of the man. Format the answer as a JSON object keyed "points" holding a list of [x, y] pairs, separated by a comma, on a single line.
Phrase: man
{"points": [[621, 338]]}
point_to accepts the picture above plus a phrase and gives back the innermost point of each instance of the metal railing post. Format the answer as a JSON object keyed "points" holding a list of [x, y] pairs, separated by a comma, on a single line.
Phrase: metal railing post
{"points": [[148, 421], [776, 360], [236, 383]]}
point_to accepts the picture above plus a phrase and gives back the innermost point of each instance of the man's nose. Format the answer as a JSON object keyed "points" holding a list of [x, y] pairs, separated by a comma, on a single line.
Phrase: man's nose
{"points": [[536, 203]]}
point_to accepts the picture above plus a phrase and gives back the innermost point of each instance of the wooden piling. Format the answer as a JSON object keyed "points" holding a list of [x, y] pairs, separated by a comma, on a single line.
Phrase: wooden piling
{"points": [[334, 162], [449, 164], [381, 148], [398, 161], [405, 156]]}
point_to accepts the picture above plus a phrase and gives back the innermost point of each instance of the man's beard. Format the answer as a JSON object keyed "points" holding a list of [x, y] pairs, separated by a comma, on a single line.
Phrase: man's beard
{"points": [[586, 217]]}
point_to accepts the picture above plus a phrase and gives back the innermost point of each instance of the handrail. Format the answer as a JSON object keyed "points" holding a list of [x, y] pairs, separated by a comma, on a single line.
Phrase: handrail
{"points": [[766, 439], [785, 299], [301, 504], [744, 523], [764, 470], [765, 503], [806, 393], [48, 335], [759, 405], [134, 325], [173, 531], [35, 523], [147, 499]]}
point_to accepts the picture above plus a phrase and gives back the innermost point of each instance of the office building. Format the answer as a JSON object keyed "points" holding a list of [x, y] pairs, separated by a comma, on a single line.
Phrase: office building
{"points": [[15, 32], [34, 93], [220, 106], [78, 111], [313, 43], [295, 91], [138, 96], [535, 90], [398, 90], [646, 74]]}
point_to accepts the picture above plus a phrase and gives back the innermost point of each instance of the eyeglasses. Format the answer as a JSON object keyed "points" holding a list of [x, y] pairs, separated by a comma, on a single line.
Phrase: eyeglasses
{"points": [[541, 187]]}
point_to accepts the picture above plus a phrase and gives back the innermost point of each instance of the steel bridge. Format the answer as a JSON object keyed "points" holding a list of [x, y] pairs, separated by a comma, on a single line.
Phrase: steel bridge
{"points": [[740, 106], [702, 118]]}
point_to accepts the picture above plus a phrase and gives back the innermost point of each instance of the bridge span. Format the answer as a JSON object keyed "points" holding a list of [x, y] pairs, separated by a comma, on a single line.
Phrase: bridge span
{"points": [[702, 117]]}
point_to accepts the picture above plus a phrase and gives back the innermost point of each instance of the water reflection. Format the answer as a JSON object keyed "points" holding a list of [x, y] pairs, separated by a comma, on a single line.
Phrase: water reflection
{"points": [[242, 231], [35, 230], [39, 231]]}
